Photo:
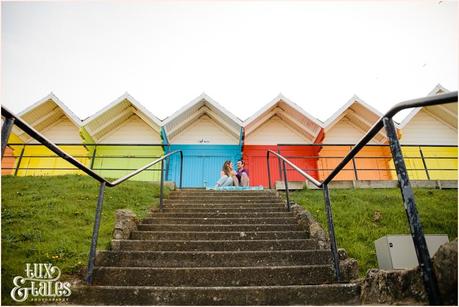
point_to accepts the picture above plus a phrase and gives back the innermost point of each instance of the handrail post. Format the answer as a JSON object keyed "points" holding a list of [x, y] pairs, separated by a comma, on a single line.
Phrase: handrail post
{"points": [[181, 168], [428, 275], [286, 185], [424, 163], [269, 170], [331, 232], [161, 187], [95, 234], [6, 131], [18, 165], [354, 164]]}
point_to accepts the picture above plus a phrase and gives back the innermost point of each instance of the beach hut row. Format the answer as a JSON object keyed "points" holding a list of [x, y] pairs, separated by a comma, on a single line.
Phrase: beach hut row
{"points": [[125, 135]]}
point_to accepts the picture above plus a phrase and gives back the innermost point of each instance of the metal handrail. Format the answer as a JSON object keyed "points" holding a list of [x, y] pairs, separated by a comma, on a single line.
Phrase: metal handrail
{"points": [[419, 102], [417, 233], [11, 119]]}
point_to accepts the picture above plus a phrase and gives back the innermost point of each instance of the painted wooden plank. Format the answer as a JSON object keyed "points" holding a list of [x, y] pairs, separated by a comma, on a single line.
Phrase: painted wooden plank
{"points": [[425, 129], [117, 161], [202, 163]]}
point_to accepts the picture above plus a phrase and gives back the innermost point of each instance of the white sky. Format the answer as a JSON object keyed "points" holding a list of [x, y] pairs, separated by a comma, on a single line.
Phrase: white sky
{"points": [[242, 54]]}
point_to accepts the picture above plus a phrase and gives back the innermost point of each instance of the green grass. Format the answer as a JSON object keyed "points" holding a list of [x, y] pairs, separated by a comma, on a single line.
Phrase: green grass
{"points": [[50, 219], [357, 226]]}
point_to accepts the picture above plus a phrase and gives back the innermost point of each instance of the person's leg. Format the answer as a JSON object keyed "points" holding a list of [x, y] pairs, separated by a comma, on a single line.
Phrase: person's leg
{"points": [[235, 181], [222, 181], [228, 182], [244, 180]]}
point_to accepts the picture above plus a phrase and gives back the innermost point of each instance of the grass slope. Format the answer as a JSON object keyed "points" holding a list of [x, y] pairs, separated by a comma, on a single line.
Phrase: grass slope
{"points": [[50, 219], [362, 216]]}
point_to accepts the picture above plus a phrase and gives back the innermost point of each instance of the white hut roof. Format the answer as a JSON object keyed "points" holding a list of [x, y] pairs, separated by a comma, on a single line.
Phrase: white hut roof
{"points": [[45, 113], [359, 113], [289, 112], [116, 113], [446, 113], [198, 107]]}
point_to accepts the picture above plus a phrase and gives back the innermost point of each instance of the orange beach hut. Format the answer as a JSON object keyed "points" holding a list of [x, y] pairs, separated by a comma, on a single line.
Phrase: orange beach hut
{"points": [[343, 130]]}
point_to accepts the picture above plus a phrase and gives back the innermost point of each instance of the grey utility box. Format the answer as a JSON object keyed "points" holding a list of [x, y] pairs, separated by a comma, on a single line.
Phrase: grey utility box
{"points": [[397, 251]]}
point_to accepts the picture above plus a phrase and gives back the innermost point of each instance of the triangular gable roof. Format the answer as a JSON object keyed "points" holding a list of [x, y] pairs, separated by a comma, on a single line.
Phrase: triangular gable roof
{"points": [[122, 108], [203, 104], [53, 108], [365, 122], [299, 119], [438, 111], [51, 97]]}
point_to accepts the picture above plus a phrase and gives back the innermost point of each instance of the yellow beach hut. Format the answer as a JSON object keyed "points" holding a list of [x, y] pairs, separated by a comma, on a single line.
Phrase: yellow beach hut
{"points": [[51, 117], [429, 141], [122, 137], [343, 130]]}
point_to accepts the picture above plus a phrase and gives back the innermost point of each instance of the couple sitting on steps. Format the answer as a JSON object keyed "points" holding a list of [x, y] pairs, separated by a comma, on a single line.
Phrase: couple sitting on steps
{"points": [[229, 177]]}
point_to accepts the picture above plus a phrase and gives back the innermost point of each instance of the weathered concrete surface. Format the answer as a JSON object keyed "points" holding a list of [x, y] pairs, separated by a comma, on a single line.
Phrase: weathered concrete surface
{"points": [[331, 294], [445, 267], [402, 287], [219, 248], [212, 258], [214, 245], [349, 268], [222, 235], [311, 226], [292, 185], [215, 227], [215, 276], [126, 222], [406, 286]]}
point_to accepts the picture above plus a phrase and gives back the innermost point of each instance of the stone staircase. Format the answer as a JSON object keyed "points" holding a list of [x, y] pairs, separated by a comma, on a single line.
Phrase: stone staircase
{"points": [[217, 248]]}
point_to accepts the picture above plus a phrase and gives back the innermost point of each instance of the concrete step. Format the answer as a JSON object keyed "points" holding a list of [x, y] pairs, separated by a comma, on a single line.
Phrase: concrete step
{"points": [[226, 197], [223, 206], [226, 235], [220, 221], [212, 258], [219, 228], [328, 294], [223, 201], [215, 276], [218, 214], [214, 192], [215, 245], [222, 210]]}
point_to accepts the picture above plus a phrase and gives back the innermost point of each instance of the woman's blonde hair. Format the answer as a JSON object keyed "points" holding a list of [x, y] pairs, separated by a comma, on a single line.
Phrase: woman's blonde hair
{"points": [[226, 168]]}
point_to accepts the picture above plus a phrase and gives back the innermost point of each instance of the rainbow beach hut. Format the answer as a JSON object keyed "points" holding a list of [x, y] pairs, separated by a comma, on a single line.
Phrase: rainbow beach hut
{"points": [[208, 135], [343, 130], [52, 118], [284, 127], [429, 141], [122, 137]]}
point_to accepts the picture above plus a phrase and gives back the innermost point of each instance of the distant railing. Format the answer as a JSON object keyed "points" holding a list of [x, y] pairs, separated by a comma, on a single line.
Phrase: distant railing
{"points": [[27, 161], [424, 162], [11, 120], [428, 275]]}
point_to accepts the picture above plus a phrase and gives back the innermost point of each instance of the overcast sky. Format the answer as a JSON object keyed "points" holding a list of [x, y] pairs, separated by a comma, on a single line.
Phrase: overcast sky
{"points": [[242, 54]]}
